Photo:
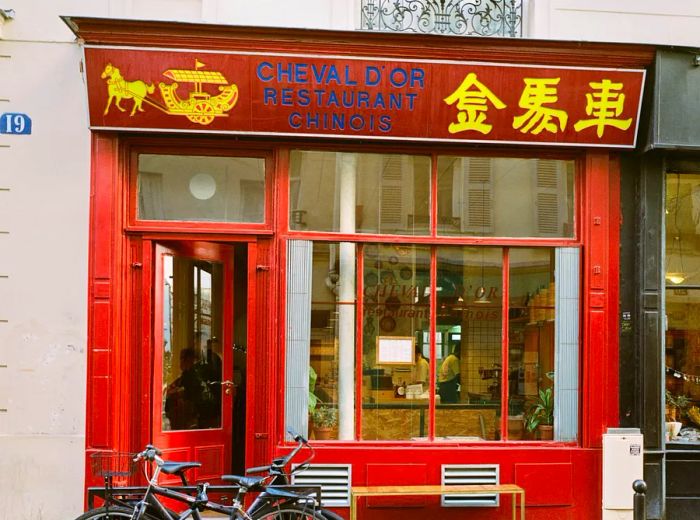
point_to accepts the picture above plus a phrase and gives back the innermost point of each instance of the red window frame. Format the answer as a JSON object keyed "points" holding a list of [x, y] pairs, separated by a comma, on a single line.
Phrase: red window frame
{"points": [[434, 240]]}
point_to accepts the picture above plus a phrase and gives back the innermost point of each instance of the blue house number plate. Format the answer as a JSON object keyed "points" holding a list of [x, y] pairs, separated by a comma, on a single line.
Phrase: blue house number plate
{"points": [[19, 124]]}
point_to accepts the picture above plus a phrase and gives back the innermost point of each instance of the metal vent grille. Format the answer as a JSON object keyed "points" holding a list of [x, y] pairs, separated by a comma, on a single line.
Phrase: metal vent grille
{"points": [[462, 475], [334, 480]]}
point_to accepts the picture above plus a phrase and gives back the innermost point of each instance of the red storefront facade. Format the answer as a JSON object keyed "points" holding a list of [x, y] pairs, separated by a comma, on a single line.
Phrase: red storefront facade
{"points": [[289, 109]]}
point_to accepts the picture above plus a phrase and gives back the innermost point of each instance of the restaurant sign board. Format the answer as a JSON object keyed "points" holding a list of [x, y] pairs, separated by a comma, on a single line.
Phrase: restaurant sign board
{"points": [[361, 97]]}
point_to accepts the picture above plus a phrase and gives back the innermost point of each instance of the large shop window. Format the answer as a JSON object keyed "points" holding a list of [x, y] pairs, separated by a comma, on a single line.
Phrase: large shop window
{"points": [[399, 341], [682, 353], [201, 188]]}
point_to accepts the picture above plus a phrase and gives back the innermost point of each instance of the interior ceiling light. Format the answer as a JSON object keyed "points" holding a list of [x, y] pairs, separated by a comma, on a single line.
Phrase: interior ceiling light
{"points": [[675, 278]]}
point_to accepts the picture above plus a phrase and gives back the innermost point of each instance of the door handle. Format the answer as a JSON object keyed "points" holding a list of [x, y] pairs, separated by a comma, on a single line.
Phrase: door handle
{"points": [[228, 385]]}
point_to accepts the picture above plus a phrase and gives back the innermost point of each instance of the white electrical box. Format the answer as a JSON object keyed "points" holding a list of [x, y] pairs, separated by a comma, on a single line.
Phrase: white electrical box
{"points": [[623, 463]]}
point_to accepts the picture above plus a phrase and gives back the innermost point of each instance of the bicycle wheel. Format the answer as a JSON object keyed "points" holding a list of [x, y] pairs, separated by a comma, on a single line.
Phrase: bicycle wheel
{"points": [[114, 512], [287, 512]]}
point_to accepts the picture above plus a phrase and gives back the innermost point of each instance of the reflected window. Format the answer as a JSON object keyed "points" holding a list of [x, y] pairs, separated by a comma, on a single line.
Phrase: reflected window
{"points": [[359, 193], [469, 354], [201, 188], [682, 353], [192, 306], [505, 197]]}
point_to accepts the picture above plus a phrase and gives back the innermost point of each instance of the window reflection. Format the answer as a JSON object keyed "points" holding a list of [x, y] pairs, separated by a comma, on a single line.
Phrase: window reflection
{"points": [[359, 193], [396, 321], [531, 314], [505, 197], [192, 300], [468, 343]]}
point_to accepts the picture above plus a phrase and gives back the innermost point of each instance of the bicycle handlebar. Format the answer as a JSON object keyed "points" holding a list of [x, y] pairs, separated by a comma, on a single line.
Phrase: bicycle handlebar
{"points": [[151, 453], [278, 465]]}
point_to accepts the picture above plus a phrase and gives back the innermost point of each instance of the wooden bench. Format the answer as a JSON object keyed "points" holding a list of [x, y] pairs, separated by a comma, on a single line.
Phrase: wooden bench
{"points": [[490, 489]]}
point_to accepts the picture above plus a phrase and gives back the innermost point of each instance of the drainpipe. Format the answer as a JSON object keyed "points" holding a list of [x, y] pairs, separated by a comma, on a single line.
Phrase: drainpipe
{"points": [[347, 170]]}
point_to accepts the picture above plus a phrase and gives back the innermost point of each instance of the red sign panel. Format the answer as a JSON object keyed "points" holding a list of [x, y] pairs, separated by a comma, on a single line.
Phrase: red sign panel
{"points": [[361, 97]]}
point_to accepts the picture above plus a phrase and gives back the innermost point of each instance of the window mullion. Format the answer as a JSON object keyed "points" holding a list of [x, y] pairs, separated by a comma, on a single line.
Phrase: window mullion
{"points": [[505, 343], [433, 347]]}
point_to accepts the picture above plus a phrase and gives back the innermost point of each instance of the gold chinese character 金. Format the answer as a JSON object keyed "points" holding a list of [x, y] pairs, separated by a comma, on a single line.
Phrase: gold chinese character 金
{"points": [[472, 98], [605, 105], [537, 93]]}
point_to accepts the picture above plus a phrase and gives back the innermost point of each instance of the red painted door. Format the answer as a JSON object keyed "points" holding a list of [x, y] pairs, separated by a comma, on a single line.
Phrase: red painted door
{"points": [[193, 354]]}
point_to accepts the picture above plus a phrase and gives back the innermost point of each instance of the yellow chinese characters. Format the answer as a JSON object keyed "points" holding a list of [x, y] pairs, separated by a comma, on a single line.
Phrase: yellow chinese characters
{"points": [[472, 98], [605, 104], [537, 93]]}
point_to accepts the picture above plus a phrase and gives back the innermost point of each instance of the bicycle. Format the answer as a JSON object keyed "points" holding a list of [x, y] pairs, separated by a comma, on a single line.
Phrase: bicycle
{"points": [[273, 503]]}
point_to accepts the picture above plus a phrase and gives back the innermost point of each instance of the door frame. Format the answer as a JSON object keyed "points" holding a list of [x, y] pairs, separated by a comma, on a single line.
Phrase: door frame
{"points": [[144, 319]]}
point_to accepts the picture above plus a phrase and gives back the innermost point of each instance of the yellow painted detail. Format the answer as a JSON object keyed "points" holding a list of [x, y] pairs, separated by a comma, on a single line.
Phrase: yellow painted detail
{"points": [[472, 99], [537, 93], [604, 104]]}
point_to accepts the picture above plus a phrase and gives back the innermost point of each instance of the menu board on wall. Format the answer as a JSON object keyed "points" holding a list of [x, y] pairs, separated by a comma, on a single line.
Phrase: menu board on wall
{"points": [[395, 350]]}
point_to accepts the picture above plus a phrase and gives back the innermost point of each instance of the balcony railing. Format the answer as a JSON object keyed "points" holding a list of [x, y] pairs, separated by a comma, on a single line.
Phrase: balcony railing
{"points": [[451, 17]]}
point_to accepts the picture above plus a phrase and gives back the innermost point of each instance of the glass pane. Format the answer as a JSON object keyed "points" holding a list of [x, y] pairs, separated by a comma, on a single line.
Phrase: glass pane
{"points": [[192, 309], [320, 364], [682, 229], [505, 197], [531, 315], [201, 188], [396, 306], [683, 363], [359, 193], [468, 354]]}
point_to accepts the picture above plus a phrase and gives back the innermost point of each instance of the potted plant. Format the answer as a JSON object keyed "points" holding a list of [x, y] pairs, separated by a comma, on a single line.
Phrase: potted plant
{"points": [[540, 417], [325, 419], [676, 408]]}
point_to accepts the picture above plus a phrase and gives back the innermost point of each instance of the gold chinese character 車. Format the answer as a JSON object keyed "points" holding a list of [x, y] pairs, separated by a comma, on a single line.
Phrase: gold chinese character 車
{"points": [[605, 104]]}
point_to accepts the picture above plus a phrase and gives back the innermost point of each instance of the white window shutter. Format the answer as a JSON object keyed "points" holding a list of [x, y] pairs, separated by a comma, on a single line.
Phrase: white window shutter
{"points": [[548, 192], [477, 195]]}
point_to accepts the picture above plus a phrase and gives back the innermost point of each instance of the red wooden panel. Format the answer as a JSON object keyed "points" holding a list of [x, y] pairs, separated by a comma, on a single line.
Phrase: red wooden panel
{"points": [[398, 475], [537, 481], [101, 329], [102, 207], [99, 362], [100, 417], [212, 459]]}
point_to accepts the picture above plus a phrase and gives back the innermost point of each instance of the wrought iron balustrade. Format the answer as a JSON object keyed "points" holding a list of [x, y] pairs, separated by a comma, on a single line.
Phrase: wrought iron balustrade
{"points": [[451, 17]]}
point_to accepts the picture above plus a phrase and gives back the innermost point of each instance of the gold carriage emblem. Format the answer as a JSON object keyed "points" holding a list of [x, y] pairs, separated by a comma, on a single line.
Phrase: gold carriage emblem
{"points": [[200, 107]]}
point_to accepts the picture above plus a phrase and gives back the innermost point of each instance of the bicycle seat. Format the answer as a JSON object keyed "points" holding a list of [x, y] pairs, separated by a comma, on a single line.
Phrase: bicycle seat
{"points": [[250, 483], [171, 468]]}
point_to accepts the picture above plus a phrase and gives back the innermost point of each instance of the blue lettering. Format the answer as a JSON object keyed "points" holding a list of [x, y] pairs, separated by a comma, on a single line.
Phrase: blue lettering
{"points": [[417, 77], [411, 96], [333, 75], [385, 123], [348, 98], [295, 120], [348, 79], [338, 121], [333, 99], [301, 73], [318, 74], [357, 122], [319, 96], [379, 101], [269, 96], [262, 75], [395, 101], [372, 76], [303, 98], [284, 74], [286, 98], [312, 121], [362, 99], [398, 77]]}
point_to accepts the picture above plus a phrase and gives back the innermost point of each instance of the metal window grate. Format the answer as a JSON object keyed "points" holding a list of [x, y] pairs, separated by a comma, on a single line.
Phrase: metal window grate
{"points": [[334, 480], [461, 475]]}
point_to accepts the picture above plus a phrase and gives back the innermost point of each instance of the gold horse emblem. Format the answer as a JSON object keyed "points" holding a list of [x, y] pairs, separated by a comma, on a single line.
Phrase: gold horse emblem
{"points": [[118, 88], [200, 107]]}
